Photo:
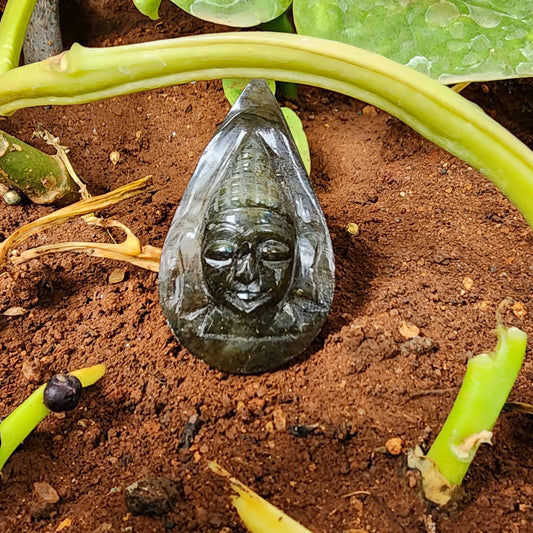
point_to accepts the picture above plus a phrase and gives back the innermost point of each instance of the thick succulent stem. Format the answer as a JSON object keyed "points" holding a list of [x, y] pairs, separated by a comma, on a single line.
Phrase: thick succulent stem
{"points": [[13, 26], [84, 75], [282, 24], [488, 380], [486, 385], [41, 177], [43, 36]]}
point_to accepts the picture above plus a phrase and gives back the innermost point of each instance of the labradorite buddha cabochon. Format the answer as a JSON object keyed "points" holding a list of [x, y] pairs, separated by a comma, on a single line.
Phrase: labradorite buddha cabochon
{"points": [[246, 276]]}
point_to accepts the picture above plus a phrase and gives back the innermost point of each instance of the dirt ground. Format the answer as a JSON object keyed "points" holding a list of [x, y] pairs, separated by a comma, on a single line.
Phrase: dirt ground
{"points": [[439, 247]]}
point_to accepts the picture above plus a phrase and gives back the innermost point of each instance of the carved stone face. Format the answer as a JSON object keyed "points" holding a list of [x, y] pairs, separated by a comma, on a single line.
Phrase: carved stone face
{"points": [[248, 257], [246, 277]]}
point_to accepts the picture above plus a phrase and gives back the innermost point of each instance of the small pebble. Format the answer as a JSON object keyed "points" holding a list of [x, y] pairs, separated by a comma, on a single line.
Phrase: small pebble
{"points": [[190, 429], [114, 157], [12, 198], [353, 229], [408, 330], [394, 446], [369, 110], [417, 345], [117, 275], [45, 492], [152, 496], [64, 524], [280, 420], [468, 283], [519, 309], [14, 311], [30, 372]]}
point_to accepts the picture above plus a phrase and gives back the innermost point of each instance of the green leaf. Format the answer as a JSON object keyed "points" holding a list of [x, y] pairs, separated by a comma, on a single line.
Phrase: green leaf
{"points": [[298, 133], [150, 8], [238, 13], [449, 40], [233, 87]]}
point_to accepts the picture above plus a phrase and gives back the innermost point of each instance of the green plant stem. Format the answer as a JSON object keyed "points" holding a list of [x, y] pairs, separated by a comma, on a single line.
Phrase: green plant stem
{"points": [[438, 113], [21, 422], [43, 178], [13, 24], [282, 24], [486, 385]]}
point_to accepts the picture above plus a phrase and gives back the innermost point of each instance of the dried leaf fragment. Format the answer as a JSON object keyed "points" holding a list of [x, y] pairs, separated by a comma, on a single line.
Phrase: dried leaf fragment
{"points": [[466, 450], [130, 250], [436, 487]]}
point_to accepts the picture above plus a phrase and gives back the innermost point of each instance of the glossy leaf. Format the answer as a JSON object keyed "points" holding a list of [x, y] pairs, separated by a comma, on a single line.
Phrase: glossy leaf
{"points": [[449, 40], [150, 8], [299, 136], [233, 87], [237, 13]]}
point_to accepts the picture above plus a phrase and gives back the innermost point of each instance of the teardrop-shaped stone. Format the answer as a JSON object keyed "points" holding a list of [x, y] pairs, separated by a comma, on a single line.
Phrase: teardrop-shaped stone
{"points": [[247, 275]]}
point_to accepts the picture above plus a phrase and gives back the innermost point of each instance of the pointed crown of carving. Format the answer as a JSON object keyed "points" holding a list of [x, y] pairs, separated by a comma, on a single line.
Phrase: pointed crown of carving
{"points": [[250, 182]]}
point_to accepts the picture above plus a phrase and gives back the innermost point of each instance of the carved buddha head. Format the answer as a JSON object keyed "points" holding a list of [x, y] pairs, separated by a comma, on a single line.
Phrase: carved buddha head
{"points": [[249, 239]]}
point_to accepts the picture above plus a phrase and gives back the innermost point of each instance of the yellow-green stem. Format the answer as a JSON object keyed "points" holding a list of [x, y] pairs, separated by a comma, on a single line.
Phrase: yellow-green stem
{"points": [[449, 120], [486, 385], [43, 178], [21, 422], [13, 26]]}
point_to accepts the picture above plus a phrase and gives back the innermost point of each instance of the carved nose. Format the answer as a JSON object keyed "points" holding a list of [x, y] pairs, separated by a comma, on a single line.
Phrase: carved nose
{"points": [[245, 272]]}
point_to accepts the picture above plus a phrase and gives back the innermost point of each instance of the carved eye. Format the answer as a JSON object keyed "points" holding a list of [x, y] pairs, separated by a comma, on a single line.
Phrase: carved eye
{"points": [[273, 250], [219, 253]]}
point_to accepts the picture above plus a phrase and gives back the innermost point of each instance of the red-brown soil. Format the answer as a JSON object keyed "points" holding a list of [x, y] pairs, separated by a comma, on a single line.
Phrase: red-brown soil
{"points": [[427, 223]]}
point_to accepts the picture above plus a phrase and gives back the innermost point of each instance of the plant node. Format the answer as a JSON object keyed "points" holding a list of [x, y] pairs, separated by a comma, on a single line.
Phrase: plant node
{"points": [[43, 178]]}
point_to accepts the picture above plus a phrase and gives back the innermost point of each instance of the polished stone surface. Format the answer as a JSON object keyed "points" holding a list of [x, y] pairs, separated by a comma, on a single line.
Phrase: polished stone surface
{"points": [[247, 276]]}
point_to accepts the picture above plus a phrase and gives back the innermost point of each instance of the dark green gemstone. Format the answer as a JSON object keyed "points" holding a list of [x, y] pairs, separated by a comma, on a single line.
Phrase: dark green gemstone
{"points": [[247, 276]]}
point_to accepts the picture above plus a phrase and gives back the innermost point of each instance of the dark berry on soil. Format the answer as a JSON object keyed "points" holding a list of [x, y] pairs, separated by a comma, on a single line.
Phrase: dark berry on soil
{"points": [[62, 393]]}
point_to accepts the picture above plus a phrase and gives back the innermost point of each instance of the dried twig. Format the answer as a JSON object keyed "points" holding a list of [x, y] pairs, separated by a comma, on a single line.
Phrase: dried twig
{"points": [[129, 250]]}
